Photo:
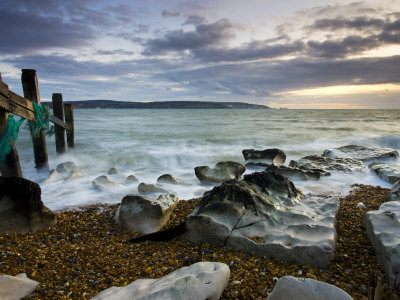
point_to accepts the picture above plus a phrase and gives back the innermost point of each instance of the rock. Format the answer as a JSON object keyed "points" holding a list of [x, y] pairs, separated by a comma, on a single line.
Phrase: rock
{"points": [[361, 205], [68, 167], [167, 178], [103, 182], [289, 288], [361, 153], [222, 171], [265, 157], [112, 171], [326, 164], [53, 176], [383, 230], [16, 287], [295, 173], [131, 178], [395, 192], [21, 207], [203, 280], [266, 214], [390, 172], [145, 188], [315, 173], [145, 214]]}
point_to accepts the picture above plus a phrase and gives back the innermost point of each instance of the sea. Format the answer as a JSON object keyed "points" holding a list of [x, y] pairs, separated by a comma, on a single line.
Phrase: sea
{"points": [[150, 143]]}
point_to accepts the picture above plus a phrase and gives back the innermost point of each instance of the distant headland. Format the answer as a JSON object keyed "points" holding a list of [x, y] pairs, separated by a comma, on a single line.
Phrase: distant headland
{"points": [[102, 104]]}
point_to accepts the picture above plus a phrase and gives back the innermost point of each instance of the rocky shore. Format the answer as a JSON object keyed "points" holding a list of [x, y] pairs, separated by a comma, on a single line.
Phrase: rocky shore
{"points": [[86, 252]]}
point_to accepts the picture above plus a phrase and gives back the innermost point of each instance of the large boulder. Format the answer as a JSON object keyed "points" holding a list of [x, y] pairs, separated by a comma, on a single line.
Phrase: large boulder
{"points": [[361, 153], [289, 288], [145, 214], [16, 287], [390, 172], [395, 192], [21, 207], [383, 230], [222, 171], [326, 164], [203, 280], [264, 158], [103, 182], [266, 214]]}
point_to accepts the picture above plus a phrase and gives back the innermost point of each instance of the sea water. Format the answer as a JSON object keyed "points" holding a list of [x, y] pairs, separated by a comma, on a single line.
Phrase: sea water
{"points": [[150, 143]]}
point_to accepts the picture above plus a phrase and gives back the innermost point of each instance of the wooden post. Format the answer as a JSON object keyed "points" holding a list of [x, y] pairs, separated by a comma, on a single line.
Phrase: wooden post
{"points": [[69, 120], [31, 92], [11, 166], [58, 111]]}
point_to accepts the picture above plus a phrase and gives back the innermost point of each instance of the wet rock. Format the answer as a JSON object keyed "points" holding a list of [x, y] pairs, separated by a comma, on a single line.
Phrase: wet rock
{"points": [[53, 176], [145, 188], [66, 171], [289, 288], [21, 207], [112, 171], [68, 167], [390, 172], [314, 173], [266, 214], [361, 153], [103, 182], [203, 280], [169, 179], [395, 192], [145, 214], [16, 287], [326, 164], [222, 171], [383, 230], [131, 178], [295, 173], [265, 157]]}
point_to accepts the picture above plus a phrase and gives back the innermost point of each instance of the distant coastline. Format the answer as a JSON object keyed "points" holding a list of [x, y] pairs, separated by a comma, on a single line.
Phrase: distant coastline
{"points": [[111, 104]]}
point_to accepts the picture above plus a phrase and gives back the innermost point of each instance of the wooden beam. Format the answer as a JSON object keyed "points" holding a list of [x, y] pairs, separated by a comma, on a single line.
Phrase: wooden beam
{"points": [[69, 119], [60, 123], [31, 92], [58, 112], [11, 167]]}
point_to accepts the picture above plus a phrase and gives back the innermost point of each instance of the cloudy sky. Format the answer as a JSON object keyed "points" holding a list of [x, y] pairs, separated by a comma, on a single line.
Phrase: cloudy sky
{"points": [[289, 53]]}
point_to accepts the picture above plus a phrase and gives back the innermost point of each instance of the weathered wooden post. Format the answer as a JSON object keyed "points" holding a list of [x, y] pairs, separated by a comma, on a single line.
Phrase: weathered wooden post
{"points": [[69, 120], [31, 92], [58, 111], [11, 166]]}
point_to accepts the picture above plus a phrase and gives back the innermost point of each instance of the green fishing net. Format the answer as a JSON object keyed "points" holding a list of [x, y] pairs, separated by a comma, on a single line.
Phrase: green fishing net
{"points": [[10, 134], [42, 115]]}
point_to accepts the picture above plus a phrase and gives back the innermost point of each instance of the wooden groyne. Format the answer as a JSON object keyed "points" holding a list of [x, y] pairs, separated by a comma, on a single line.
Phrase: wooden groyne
{"points": [[13, 103]]}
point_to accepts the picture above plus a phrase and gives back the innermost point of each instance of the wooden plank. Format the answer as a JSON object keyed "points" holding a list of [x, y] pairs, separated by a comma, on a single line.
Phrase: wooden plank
{"points": [[31, 92], [12, 166], [58, 112], [4, 103], [20, 101], [69, 119], [60, 123]]}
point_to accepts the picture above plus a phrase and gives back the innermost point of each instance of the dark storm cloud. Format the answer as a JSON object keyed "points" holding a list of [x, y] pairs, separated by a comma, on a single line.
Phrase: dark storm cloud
{"points": [[204, 35], [340, 23], [169, 14]]}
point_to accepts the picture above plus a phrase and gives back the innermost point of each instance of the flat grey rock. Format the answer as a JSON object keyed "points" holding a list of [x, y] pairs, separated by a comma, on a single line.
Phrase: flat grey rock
{"points": [[16, 287], [265, 157], [223, 171], [390, 172], [395, 192], [361, 153], [265, 214], [145, 188], [296, 288], [145, 214], [326, 164], [200, 281], [383, 230]]}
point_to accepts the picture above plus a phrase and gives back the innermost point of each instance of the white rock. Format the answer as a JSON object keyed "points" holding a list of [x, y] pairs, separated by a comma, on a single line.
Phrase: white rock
{"points": [[383, 230], [203, 280], [361, 205], [53, 176], [390, 172], [16, 287], [145, 214], [395, 192], [289, 288]]}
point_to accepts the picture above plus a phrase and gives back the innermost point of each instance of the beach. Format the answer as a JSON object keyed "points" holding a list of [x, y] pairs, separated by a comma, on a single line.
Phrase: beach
{"points": [[86, 252]]}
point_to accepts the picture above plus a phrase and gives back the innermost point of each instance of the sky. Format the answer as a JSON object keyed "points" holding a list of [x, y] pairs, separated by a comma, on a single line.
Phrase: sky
{"points": [[293, 54]]}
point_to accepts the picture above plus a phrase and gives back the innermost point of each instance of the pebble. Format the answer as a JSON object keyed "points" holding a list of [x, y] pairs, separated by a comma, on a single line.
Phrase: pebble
{"points": [[87, 250]]}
